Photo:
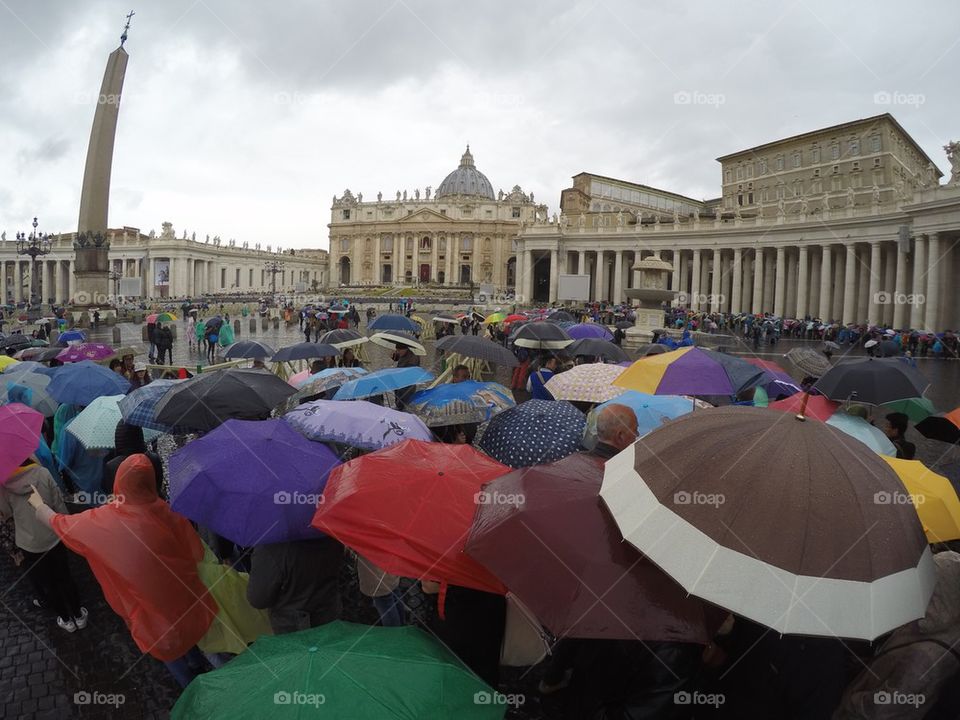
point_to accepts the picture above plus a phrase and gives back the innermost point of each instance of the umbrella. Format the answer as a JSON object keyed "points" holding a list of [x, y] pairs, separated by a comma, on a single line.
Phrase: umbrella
{"points": [[139, 406], [544, 533], [80, 383], [857, 427], [533, 433], [474, 346], [359, 424], [871, 344], [407, 509], [932, 495], [945, 427], [809, 361], [6, 361], [28, 388], [589, 382], [541, 336], [831, 346], [645, 349], [253, 482], [582, 331], [19, 437], [69, 336], [515, 318], [777, 381], [17, 340], [444, 318], [394, 322], [917, 409], [391, 340], [494, 318], [651, 411], [213, 323], [249, 349], [341, 670], [304, 351], [817, 406], [207, 400], [320, 382], [96, 424], [624, 324], [382, 381], [597, 348], [460, 403], [27, 366], [872, 380], [160, 317], [561, 316], [690, 371], [38, 354], [342, 338], [85, 351], [804, 548]]}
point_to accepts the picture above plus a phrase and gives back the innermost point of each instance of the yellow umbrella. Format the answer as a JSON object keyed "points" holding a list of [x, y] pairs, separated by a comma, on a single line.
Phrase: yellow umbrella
{"points": [[496, 317], [933, 496], [6, 361]]}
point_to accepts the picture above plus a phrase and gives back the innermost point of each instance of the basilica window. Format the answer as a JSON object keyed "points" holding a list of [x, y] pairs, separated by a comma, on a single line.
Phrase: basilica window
{"points": [[796, 160], [346, 214], [780, 163], [344, 245], [466, 243], [815, 155], [763, 166], [443, 212], [515, 212], [835, 151], [854, 147], [739, 173], [425, 243], [875, 143], [728, 175], [489, 213]]}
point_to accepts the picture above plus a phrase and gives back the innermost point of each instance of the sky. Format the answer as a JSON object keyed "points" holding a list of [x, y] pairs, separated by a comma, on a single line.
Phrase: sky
{"points": [[243, 119]]}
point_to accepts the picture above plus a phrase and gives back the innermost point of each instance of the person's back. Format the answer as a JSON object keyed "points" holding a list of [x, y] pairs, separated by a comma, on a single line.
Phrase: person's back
{"points": [[538, 382]]}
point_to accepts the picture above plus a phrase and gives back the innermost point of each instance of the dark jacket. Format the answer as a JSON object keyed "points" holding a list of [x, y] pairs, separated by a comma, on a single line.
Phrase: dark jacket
{"points": [[164, 338], [297, 583], [128, 440]]}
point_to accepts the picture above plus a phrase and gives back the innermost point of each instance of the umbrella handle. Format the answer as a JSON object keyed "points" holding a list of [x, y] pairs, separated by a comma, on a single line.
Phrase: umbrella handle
{"points": [[803, 407]]}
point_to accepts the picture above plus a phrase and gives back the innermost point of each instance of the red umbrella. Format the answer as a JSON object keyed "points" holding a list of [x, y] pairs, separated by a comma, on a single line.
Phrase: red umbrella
{"points": [[408, 509], [818, 406], [515, 318]]}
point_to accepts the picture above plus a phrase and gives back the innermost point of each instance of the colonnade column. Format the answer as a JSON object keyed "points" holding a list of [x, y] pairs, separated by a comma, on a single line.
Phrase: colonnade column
{"points": [[617, 277], [875, 315], [757, 282], [899, 288], [715, 282], [600, 277], [850, 285], [803, 281], [735, 293], [675, 281], [527, 280], [918, 288], [780, 286], [71, 280], [932, 299], [826, 283], [693, 302], [554, 274]]}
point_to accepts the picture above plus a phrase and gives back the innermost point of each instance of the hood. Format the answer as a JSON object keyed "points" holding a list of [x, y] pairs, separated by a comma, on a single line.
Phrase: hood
{"points": [[19, 483], [129, 439], [136, 482]]}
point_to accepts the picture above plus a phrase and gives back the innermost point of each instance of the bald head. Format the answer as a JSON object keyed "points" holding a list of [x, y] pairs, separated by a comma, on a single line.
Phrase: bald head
{"points": [[617, 426]]}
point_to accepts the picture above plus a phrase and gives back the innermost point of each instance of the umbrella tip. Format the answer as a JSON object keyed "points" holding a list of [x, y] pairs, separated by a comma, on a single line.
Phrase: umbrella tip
{"points": [[801, 418]]}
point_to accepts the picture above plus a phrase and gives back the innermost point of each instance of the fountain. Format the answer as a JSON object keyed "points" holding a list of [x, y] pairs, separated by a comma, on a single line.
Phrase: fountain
{"points": [[650, 292]]}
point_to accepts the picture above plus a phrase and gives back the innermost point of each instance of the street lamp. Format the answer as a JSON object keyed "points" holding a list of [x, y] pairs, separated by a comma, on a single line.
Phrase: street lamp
{"points": [[35, 245], [273, 267], [116, 275]]}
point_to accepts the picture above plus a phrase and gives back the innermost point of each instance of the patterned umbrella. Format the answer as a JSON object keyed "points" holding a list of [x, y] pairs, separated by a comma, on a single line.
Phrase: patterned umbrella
{"points": [[690, 371], [343, 338], [28, 388], [494, 318], [474, 346], [94, 427], [81, 383], [359, 424], [383, 381], [249, 349], [394, 322], [139, 407], [161, 317], [85, 351], [533, 433], [460, 403], [809, 361], [581, 331], [304, 351], [38, 354], [597, 348], [590, 382]]}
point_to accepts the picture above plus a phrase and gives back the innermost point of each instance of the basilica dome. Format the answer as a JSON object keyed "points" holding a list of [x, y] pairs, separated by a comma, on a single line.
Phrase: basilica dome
{"points": [[466, 180]]}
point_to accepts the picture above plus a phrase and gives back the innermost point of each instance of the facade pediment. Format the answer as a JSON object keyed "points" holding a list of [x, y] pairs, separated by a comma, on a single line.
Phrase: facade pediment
{"points": [[426, 215]]}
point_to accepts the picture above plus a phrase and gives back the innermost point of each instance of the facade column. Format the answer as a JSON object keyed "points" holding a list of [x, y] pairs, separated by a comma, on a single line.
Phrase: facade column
{"points": [[918, 288], [899, 288], [3, 282], [517, 269], [875, 315], [826, 284], [757, 282], [71, 280], [448, 262], [599, 275], [554, 274], [582, 262], [401, 256], [803, 281], [889, 280], [850, 285], [780, 285], [55, 286], [746, 294], [434, 257], [735, 293], [932, 299], [715, 282], [675, 281], [527, 279], [693, 302], [684, 277], [617, 297]]}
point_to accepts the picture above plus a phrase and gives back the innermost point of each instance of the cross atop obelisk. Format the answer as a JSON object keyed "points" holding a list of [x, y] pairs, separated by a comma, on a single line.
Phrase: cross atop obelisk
{"points": [[123, 38]]}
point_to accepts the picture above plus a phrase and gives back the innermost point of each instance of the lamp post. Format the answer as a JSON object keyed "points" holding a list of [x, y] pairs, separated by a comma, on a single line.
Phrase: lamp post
{"points": [[115, 275], [35, 245], [273, 267]]}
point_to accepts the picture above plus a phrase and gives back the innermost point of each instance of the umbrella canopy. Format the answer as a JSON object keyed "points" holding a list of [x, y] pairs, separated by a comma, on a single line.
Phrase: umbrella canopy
{"points": [[945, 427], [817, 406], [28, 388], [651, 349], [932, 495], [460, 403], [249, 349], [213, 323], [71, 336], [872, 380], [38, 354], [917, 409], [139, 406], [359, 424], [624, 324], [207, 400], [777, 381], [561, 316], [81, 383], [597, 348], [394, 322], [253, 482], [407, 509], [542, 335], [651, 411], [17, 340], [803, 549], [96, 424], [85, 351], [304, 351], [690, 371], [494, 318], [474, 346], [320, 382], [808, 361], [343, 338], [589, 382], [341, 670], [19, 436], [515, 317], [160, 317], [533, 433], [382, 381], [581, 331], [857, 427], [544, 532], [6, 361], [391, 340]]}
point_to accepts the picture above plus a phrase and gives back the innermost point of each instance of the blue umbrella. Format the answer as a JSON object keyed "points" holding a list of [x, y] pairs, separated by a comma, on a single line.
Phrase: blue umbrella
{"points": [[460, 403], [69, 336], [139, 407], [358, 424], [83, 382], [651, 411], [382, 381], [533, 433], [29, 388], [394, 322], [253, 482]]}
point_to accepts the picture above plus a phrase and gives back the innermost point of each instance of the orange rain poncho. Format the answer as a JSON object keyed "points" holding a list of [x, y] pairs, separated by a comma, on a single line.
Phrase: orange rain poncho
{"points": [[145, 558]]}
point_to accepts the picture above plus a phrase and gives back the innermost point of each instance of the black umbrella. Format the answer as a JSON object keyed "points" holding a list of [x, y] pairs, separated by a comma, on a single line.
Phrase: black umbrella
{"points": [[595, 347], [343, 338], [872, 380], [17, 340], [533, 433], [248, 349], [474, 346], [305, 351], [624, 324], [542, 336], [561, 316], [214, 322], [207, 400], [941, 427], [652, 349]]}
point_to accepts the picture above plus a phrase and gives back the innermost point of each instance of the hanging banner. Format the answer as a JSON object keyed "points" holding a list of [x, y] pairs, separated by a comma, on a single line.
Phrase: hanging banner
{"points": [[161, 273]]}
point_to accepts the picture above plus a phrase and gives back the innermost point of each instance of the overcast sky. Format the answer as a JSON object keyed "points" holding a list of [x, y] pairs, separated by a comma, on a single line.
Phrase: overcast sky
{"points": [[244, 118]]}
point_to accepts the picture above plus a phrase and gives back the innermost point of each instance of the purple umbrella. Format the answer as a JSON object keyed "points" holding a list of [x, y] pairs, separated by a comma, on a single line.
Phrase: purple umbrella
{"points": [[589, 330], [85, 351], [358, 423], [252, 481]]}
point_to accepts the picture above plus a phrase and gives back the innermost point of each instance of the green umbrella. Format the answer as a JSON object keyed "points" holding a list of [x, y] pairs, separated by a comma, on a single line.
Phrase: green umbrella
{"points": [[916, 409], [342, 670]]}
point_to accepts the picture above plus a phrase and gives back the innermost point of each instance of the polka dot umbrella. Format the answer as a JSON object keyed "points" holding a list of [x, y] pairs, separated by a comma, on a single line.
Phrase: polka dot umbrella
{"points": [[533, 433]]}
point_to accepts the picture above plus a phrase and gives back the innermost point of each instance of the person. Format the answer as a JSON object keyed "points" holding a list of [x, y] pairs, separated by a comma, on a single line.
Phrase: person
{"points": [[259, 364], [296, 582], [44, 556], [96, 319], [536, 384], [117, 366], [616, 430], [139, 377], [461, 373], [404, 357], [145, 558], [349, 359], [128, 440], [191, 321], [896, 429], [164, 344], [212, 337], [316, 366], [383, 589]]}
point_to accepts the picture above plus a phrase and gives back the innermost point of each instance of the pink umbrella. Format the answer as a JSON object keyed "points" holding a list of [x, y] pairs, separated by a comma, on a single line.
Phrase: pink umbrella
{"points": [[297, 380], [86, 351], [19, 436]]}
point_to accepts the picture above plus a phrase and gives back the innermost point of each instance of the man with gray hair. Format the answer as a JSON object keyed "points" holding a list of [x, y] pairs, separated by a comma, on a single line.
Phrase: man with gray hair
{"points": [[616, 430]]}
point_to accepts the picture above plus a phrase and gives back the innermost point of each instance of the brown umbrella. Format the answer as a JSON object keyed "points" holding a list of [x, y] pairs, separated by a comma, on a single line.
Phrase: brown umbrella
{"points": [[808, 361], [544, 533], [790, 523]]}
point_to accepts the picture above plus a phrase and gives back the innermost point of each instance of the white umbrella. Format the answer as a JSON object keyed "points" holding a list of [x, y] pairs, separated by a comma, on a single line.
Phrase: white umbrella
{"points": [[391, 340]]}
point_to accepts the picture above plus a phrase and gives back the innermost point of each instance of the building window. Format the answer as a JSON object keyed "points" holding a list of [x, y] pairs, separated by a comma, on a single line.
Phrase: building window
{"points": [[856, 164], [780, 163], [728, 175], [750, 198], [763, 166], [346, 214], [443, 212], [236, 280], [816, 172], [739, 173], [815, 155], [369, 213], [466, 244], [835, 151], [468, 212], [515, 212], [250, 280], [875, 143], [223, 278], [835, 169], [740, 199], [425, 243], [876, 162], [855, 147], [796, 160], [344, 245]]}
